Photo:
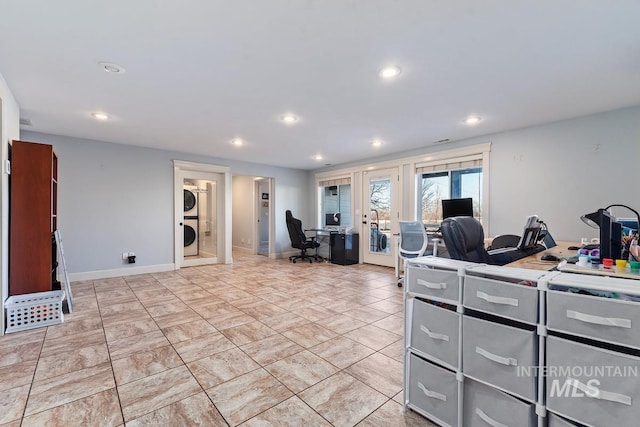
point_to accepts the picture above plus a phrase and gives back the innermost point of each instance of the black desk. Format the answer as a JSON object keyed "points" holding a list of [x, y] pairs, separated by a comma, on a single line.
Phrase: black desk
{"points": [[345, 248]]}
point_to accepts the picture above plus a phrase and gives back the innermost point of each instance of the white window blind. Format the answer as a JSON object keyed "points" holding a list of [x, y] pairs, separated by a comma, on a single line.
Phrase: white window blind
{"points": [[332, 182], [472, 161]]}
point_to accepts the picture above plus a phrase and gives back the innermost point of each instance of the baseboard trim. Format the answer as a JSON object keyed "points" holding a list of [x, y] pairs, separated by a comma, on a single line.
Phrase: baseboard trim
{"points": [[117, 272], [243, 250]]}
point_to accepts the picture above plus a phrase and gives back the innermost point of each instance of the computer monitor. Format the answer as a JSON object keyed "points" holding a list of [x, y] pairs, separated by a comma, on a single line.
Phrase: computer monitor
{"points": [[457, 207], [332, 218]]}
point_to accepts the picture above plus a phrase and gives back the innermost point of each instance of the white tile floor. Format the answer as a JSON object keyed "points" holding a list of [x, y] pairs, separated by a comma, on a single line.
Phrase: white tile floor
{"points": [[259, 343]]}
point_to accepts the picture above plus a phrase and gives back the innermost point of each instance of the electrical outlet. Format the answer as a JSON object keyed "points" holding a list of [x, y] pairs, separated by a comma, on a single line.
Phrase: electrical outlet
{"points": [[125, 256], [132, 254]]}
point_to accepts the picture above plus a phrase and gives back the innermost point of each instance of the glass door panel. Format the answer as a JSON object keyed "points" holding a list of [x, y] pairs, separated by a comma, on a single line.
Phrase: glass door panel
{"points": [[200, 228], [380, 216]]}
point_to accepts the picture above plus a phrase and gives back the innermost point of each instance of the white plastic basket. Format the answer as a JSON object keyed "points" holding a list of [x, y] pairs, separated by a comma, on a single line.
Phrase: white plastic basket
{"points": [[30, 311]]}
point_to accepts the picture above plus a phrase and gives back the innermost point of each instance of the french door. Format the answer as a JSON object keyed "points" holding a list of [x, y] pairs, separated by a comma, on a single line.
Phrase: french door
{"points": [[380, 216]]}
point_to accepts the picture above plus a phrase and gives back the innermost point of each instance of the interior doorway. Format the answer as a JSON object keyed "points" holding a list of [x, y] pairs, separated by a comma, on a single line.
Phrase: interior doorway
{"points": [[262, 196], [202, 214]]}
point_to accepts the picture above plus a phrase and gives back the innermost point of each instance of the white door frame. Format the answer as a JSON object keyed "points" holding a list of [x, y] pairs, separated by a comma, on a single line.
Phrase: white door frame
{"points": [[179, 168], [370, 257], [271, 221]]}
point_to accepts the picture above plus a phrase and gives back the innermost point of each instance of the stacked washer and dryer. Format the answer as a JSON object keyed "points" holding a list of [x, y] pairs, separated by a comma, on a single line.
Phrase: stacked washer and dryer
{"points": [[190, 220]]}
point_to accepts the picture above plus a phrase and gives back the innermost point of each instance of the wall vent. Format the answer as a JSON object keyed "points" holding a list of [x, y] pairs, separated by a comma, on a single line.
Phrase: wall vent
{"points": [[25, 122]]}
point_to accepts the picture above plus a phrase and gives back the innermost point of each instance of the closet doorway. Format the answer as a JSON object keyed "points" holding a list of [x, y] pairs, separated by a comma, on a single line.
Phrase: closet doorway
{"points": [[202, 204]]}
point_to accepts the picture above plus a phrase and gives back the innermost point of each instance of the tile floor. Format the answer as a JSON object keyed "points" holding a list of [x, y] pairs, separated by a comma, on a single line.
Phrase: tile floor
{"points": [[257, 343]]}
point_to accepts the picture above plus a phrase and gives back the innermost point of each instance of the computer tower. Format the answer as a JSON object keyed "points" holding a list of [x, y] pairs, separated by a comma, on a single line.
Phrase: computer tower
{"points": [[345, 248]]}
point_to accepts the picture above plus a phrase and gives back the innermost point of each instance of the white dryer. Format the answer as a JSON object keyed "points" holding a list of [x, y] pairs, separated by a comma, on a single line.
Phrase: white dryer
{"points": [[190, 220], [190, 201], [190, 237]]}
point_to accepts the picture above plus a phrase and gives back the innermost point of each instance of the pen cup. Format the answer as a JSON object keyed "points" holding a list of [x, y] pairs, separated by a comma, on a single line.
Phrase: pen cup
{"points": [[634, 265], [607, 262], [621, 264]]}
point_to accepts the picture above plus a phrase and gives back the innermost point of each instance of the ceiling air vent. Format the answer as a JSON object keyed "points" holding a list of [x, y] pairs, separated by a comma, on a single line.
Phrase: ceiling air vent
{"points": [[25, 122]]}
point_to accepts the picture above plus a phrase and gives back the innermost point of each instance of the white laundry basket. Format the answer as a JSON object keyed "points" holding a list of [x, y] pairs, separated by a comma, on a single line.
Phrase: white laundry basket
{"points": [[30, 311]]}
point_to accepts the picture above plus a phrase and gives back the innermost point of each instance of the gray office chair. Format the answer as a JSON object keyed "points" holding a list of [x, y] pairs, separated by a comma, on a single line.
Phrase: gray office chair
{"points": [[413, 242]]}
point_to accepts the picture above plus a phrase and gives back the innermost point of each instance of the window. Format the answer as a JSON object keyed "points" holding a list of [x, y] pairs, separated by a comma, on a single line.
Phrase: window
{"points": [[452, 180], [335, 197]]}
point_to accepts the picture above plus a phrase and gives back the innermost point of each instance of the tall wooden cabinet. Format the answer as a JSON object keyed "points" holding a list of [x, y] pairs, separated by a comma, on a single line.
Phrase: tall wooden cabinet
{"points": [[33, 217]]}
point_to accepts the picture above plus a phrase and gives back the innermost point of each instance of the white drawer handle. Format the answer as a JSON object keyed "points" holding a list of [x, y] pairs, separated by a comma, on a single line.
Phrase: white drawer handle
{"points": [[434, 335], [508, 361], [487, 419], [432, 285], [596, 393], [432, 394], [598, 320], [497, 300]]}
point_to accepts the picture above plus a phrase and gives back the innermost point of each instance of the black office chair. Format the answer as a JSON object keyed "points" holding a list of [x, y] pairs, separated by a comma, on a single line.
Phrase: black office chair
{"points": [[464, 238], [299, 240]]}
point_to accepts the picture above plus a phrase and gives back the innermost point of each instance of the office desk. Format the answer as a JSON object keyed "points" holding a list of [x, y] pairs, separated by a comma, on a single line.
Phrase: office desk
{"points": [[534, 262], [323, 237]]}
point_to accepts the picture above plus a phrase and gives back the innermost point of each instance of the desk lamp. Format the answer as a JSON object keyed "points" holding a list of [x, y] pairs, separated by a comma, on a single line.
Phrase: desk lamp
{"points": [[594, 219], [610, 230]]}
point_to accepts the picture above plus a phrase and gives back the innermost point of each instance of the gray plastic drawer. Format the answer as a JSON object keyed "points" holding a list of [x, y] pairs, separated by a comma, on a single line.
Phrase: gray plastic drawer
{"points": [[557, 421], [592, 385], [497, 353], [604, 319], [485, 406], [440, 284], [435, 332], [502, 298], [433, 390]]}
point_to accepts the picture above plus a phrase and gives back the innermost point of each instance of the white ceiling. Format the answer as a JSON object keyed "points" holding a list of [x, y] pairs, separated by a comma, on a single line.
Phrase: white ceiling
{"points": [[201, 72]]}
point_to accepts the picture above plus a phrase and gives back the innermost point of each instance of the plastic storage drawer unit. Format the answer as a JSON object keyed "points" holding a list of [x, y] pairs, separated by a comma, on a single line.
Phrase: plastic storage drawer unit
{"points": [[500, 355], [485, 406], [435, 332], [592, 385], [433, 390]]}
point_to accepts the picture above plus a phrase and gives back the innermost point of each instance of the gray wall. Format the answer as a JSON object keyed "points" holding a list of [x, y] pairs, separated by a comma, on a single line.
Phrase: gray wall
{"points": [[243, 207], [557, 170], [114, 198], [9, 130]]}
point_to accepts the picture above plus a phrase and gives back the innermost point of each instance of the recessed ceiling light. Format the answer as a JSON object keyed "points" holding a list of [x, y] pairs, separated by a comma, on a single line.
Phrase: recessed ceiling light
{"points": [[100, 116], [318, 157], [472, 120], [377, 142], [112, 68], [237, 141], [390, 72], [289, 119]]}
